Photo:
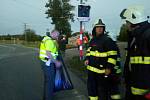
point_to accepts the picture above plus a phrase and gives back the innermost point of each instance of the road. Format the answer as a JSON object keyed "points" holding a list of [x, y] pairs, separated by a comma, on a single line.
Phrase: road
{"points": [[21, 77]]}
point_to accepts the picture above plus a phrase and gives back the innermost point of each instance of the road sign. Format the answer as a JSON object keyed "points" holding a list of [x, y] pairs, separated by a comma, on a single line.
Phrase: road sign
{"points": [[83, 12]]}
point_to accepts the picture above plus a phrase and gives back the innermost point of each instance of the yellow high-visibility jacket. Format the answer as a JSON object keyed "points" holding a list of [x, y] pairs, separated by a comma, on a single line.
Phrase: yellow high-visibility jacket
{"points": [[48, 44]]}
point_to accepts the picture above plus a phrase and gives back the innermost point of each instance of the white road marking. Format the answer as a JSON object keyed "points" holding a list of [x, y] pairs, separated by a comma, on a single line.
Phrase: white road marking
{"points": [[11, 54], [6, 46]]}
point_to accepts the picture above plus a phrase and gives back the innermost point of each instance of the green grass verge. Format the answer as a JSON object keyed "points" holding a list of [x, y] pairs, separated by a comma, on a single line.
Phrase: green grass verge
{"points": [[77, 66]]}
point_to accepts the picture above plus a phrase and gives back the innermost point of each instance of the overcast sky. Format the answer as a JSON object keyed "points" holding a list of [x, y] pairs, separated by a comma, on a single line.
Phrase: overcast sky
{"points": [[14, 13]]}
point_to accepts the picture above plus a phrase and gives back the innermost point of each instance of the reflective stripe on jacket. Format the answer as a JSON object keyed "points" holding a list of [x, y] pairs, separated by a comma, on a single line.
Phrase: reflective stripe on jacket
{"points": [[139, 60], [138, 91], [96, 70], [93, 98]]}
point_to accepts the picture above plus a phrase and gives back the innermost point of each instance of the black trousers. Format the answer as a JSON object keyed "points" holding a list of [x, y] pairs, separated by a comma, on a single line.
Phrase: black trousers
{"points": [[100, 86], [49, 77]]}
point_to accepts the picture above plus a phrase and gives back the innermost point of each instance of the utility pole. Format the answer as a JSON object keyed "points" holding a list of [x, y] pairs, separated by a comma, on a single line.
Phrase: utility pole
{"points": [[25, 28]]}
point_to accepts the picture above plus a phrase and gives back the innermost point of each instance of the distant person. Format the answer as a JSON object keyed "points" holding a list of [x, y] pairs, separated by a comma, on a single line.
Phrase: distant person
{"points": [[62, 44], [85, 41], [48, 54], [101, 61], [137, 65], [78, 43]]}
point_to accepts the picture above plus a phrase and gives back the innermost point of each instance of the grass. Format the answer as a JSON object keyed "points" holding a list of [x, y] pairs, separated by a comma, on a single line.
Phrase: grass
{"points": [[77, 66], [32, 44]]}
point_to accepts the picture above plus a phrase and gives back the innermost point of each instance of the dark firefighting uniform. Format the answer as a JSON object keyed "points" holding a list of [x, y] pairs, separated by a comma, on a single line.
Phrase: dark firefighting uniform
{"points": [[137, 65], [102, 53]]}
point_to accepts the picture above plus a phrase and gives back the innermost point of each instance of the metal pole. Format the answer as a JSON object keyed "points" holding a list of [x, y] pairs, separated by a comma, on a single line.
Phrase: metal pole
{"points": [[81, 41], [81, 37]]}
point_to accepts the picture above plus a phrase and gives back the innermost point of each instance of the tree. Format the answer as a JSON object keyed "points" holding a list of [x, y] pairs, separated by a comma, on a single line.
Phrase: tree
{"points": [[60, 13], [8, 37], [30, 35], [123, 33]]}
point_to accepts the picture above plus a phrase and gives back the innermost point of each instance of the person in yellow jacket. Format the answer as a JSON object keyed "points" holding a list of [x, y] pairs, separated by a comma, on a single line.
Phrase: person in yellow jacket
{"points": [[48, 54]]}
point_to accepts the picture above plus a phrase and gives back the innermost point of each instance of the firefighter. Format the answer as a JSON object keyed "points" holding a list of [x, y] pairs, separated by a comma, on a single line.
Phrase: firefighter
{"points": [[101, 59], [137, 65], [48, 54], [62, 41]]}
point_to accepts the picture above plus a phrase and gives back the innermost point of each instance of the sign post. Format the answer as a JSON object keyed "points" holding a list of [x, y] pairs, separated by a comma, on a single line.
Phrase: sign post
{"points": [[83, 16]]}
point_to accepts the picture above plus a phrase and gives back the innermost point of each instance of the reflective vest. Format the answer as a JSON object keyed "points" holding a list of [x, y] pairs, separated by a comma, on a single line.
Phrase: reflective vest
{"points": [[50, 45]]}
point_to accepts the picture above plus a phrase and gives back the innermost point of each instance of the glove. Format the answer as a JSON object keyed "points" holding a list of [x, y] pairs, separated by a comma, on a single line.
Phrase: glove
{"points": [[57, 63]]}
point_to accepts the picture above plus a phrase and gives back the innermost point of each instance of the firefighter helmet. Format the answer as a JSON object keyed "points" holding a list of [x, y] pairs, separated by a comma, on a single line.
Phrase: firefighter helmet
{"points": [[98, 23], [134, 14]]}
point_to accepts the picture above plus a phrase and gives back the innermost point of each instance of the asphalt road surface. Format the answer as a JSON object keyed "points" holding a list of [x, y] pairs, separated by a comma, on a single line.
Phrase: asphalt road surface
{"points": [[21, 77]]}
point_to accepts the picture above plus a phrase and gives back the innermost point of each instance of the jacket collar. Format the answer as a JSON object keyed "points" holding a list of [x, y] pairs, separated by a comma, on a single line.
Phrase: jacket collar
{"points": [[140, 30]]}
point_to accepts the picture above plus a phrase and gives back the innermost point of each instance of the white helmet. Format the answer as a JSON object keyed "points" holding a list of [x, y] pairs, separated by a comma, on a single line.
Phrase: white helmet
{"points": [[134, 14]]}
